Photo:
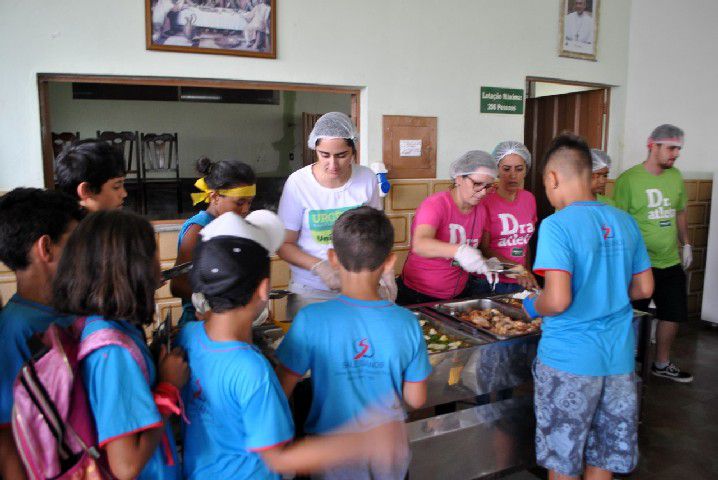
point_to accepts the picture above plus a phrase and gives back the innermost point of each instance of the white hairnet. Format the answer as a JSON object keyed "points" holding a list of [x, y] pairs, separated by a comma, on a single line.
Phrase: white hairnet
{"points": [[599, 159], [333, 125], [666, 134], [512, 147], [473, 161]]}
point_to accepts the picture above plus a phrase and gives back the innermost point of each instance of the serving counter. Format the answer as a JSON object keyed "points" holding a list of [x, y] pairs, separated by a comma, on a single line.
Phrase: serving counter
{"points": [[478, 420]]}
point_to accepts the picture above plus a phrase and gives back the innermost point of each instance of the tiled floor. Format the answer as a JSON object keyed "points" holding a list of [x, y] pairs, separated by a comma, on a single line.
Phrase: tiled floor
{"points": [[679, 433]]}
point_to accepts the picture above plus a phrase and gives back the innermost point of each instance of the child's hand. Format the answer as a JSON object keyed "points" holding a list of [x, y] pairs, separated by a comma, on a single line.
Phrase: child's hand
{"points": [[386, 445], [173, 367]]}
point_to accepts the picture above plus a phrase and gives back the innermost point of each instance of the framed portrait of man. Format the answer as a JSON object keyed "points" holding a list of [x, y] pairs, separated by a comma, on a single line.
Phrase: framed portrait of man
{"points": [[578, 20]]}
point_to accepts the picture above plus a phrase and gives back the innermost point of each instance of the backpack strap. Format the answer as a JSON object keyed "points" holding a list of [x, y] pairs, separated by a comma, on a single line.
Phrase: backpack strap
{"points": [[110, 336]]}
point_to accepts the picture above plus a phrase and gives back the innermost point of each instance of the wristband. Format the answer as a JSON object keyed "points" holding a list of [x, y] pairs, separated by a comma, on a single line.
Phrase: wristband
{"points": [[168, 400], [530, 307]]}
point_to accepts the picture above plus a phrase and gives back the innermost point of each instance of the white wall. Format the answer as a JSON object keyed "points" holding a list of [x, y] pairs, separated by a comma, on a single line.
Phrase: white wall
{"points": [[259, 135], [672, 76], [413, 57]]}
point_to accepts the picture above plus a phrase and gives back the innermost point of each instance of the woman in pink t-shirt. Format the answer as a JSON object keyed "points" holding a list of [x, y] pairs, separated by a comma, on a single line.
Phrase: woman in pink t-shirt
{"points": [[445, 235], [510, 214]]}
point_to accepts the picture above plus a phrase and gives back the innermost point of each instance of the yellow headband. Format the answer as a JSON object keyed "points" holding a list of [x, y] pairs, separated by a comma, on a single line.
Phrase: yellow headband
{"points": [[248, 191]]}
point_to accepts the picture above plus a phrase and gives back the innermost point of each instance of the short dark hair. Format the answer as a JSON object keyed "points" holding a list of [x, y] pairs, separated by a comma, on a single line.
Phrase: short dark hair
{"points": [[579, 163], [109, 268], [26, 214], [225, 173], [363, 238], [93, 161]]}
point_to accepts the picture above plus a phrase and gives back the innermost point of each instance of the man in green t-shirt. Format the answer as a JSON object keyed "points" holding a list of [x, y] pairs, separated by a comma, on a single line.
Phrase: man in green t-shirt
{"points": [[653, 192], [600, 163]]}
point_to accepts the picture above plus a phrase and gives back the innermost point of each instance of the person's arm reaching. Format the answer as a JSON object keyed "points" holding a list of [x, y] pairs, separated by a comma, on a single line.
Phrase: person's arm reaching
{"points": [[384, 446], [555, 298], [641, 286], [414, 394], [10, 464], [180, 286]]}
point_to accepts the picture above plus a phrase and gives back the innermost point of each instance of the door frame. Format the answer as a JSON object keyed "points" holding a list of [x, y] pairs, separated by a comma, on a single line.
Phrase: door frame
{"points": [[531, 80], [44, 79]]}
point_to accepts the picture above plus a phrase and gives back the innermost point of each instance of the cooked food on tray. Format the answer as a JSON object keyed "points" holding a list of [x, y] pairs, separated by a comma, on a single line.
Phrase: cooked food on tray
{"points": [[496, 322], [437, 341], [512, 302]]}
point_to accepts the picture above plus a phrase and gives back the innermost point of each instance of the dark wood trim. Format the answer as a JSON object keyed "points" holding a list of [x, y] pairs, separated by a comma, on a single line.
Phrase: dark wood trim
{"points": [[213, 51], [195, 82], [43, 80], [532, 80], [607, 106], [48, 157]]}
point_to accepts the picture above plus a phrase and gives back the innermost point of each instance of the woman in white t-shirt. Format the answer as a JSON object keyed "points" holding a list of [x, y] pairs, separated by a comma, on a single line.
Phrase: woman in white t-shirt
{"points": [[312, 200]]}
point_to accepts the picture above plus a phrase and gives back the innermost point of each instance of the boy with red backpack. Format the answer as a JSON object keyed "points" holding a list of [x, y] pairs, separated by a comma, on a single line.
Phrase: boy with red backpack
{"points": [[34, 226]]}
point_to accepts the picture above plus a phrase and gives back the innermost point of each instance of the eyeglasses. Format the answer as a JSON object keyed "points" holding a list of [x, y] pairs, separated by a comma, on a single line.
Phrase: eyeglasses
{"points": [[478, 186]]}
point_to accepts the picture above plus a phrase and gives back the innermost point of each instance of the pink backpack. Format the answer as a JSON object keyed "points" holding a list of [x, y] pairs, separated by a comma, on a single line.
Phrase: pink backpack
{"points": [[51, 420]]}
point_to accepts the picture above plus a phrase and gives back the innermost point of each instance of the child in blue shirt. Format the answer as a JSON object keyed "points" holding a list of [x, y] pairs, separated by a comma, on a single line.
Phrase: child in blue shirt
{"points": [[240, 426], [109, 272], [226, 186], [594, 262], [362, 351], [34, 226]]}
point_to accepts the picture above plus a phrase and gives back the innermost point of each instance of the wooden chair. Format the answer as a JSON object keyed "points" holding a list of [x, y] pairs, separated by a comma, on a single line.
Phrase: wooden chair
{"points": [[62, 140], [160, 156], [127, 143]]}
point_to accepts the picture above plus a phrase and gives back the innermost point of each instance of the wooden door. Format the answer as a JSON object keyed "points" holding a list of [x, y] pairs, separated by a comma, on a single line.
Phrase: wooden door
{"points": [[583, 113]]}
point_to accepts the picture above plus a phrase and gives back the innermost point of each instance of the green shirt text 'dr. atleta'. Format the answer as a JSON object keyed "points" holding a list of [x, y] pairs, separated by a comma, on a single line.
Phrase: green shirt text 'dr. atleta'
{"points": [[654, 201]]}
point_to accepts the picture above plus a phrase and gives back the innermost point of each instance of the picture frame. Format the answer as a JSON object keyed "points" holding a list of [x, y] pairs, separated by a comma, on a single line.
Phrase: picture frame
{"points": [[578, 29], [246, 28]]}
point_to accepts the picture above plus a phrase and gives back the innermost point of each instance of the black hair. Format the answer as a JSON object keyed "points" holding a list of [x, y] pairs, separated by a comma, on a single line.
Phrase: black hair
{"points": [[350, 143], [362, 238], [109, 268], [225, 173], [93, 161], [580, 162], [26, 214], [228, 270]]}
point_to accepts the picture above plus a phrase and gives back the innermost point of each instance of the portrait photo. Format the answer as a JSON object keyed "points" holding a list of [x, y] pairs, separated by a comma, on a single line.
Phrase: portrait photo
{"points": [[225, 27], [578, 20]]}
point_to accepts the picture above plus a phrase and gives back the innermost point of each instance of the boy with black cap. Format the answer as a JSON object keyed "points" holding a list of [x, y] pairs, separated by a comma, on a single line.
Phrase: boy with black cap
{"points": [[594, 261], [239, 425], [362, 351]]}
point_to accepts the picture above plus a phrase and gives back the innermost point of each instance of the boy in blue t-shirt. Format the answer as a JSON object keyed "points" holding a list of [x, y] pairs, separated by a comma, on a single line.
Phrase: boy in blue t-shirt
{"points": [[594, 262], [240, 426], [34, 226], [363, 352]]}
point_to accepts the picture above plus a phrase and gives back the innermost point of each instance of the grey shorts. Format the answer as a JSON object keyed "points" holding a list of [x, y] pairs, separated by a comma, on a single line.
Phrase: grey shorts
{"points": [[585, 420]]}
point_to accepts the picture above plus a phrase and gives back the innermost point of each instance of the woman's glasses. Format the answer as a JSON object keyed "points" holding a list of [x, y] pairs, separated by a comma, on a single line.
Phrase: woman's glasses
{"points": [[478, 186]]}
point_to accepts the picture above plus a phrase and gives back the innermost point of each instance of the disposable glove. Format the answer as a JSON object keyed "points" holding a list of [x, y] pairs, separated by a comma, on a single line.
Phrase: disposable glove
{"points": [[328, 274], [470, 259], [687, 256]]}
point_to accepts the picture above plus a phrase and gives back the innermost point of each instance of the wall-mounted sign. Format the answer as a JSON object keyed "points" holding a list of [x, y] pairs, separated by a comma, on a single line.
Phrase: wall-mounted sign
{"points": [[409, 148], [502, 100]]}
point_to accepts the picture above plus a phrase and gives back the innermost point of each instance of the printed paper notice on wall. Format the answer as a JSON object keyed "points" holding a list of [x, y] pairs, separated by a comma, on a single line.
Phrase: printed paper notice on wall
{"points": [[409, 148]]}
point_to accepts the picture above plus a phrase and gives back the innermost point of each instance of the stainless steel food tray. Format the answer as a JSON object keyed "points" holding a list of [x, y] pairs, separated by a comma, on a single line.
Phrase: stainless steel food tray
{"points": [[452, 309], [446, 329]]}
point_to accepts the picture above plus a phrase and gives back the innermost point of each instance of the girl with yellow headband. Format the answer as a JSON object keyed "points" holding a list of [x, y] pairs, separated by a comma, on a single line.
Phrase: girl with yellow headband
{"points": [[225, 186]]}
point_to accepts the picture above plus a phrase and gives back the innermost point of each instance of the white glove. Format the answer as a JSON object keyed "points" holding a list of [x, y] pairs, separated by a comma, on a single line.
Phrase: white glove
{"points": [[326, 272], [470, 259], [687, 256], [387, 286]]}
